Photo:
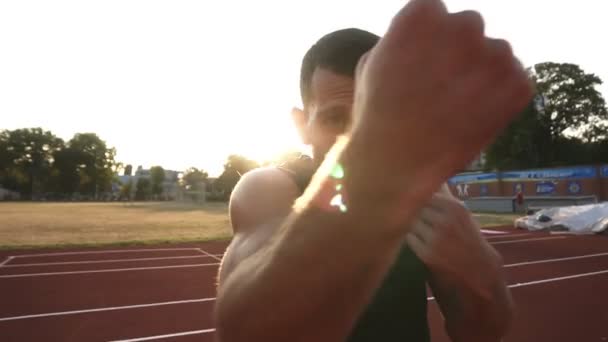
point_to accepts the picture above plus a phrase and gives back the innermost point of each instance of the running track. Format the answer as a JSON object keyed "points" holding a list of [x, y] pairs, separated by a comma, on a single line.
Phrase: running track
{"points": [[166, 293]]}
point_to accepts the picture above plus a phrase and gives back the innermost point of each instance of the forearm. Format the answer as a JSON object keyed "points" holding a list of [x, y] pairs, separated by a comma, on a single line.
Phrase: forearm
{"points": [[319, 272], [479, 308], [481, 319]]}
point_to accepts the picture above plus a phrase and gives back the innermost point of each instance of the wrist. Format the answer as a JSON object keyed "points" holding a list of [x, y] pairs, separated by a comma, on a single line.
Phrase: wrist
{"points": [[344, 187], [380, 180], [351, 185]]}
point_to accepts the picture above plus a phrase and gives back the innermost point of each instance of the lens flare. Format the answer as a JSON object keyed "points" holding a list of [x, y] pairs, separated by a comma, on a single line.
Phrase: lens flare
{"points": [[337, 172], [336, 201]]}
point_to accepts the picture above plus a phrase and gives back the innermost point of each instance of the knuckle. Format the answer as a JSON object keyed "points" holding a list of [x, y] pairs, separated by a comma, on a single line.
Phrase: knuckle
{"points": [[500, 50], [471, 21], [466, 27]]}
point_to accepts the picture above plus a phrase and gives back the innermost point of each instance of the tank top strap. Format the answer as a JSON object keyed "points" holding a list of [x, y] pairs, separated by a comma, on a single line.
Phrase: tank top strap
{"points": [[300, 169]]}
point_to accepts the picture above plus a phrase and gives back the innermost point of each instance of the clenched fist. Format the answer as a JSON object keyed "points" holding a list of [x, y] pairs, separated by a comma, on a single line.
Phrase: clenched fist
{"points": [[432, 94]]}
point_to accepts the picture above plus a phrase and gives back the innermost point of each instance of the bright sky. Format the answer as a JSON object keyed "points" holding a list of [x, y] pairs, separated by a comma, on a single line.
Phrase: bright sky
{"points": [[185, 83]]}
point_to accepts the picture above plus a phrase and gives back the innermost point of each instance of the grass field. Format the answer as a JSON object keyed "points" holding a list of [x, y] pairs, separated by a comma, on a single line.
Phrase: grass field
{"points": [[99, 224], [57, 224], [488, 220]]}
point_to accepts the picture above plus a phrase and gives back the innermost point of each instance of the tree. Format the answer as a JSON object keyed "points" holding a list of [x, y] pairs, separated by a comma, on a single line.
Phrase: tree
{"points": [[27, 158], [7, 165], [143, 189], [573, 105], [599, 151], [194, 184], [235, 167], [561, 128], [524, 143], [34, 161], [66, 170], [157, 177], [128, 170], [97, 166], [193, 179]]}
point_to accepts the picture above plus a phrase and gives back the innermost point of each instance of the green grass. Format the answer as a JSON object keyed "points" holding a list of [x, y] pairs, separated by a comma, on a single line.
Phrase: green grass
{"points": [[32, 225], [58, 225], [492, 219]]}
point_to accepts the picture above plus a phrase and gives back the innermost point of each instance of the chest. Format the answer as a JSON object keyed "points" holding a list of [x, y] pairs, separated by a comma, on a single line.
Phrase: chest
{"points": [[398, 311]]}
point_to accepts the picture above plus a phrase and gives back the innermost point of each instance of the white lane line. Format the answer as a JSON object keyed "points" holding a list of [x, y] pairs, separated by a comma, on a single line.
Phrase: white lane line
{"points": [[106, 261], [586, 256], [490, 231], [112, 308], [526, 240], [496, 237], [6, 261], [567, 232], [209, 254], [24, 275], [551, 280], [106, 251], [158, 337], [542, 281]]}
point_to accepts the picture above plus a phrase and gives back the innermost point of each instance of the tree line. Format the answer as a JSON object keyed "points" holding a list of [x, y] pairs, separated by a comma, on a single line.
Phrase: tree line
{"points": [[567, 124], [34, 162], [37, 164]]}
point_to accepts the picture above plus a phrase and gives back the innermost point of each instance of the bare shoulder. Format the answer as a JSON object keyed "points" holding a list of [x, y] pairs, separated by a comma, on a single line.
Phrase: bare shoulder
{"points": [[260, 202], [261, 195]]}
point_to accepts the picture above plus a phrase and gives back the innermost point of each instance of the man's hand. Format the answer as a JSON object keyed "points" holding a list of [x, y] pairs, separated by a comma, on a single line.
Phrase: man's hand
{"points": [[447, 239], [466, 272], [431, 95]]}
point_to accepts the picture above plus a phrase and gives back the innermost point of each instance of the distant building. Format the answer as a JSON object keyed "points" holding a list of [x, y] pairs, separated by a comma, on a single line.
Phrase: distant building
{"points": [[170, 184], [8, 195], [568, 181]]}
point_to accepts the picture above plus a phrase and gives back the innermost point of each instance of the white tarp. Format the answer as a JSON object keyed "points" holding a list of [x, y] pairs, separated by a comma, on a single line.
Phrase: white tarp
{"points": [[582, 219]]}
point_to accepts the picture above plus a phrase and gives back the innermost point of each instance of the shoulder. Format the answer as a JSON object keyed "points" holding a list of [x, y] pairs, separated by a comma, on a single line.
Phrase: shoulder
{"points": [[261, 195], [260, 201], [300, 168]]}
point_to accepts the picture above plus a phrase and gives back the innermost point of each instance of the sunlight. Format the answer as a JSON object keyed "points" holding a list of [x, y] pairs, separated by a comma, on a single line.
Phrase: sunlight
{"points": [[192, 88]]}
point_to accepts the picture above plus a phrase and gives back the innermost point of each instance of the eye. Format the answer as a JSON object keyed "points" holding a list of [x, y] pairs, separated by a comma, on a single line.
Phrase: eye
{"points": [[336, 121]]}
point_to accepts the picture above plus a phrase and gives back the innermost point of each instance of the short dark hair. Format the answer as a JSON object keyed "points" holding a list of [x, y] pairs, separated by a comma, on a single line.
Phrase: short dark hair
{"points": [[338, 51]]}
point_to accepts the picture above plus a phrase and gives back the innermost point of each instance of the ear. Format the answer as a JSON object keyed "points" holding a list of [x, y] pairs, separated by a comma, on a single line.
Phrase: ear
{"points": [[300, 119]]}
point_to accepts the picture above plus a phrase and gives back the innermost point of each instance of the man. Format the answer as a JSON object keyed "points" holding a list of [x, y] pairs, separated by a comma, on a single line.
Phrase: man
{"points": [[519, 200], [350, 260]]}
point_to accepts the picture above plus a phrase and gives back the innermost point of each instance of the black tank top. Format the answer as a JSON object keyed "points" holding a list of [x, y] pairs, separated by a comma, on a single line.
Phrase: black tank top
{"points": [[398, 311]]}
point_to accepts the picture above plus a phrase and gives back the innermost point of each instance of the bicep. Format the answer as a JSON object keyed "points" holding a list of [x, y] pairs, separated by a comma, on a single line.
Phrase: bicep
{"points": [[244, 245]]}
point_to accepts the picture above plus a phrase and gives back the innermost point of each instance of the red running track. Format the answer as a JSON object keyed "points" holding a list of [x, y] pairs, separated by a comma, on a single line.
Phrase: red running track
{"points": [[166, 293]]}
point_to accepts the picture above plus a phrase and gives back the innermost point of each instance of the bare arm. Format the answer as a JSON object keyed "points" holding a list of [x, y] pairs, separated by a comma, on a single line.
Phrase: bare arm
{"points": [[287, 271], [473, 314], [320, 268], [466, 273], [469, 316]]}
